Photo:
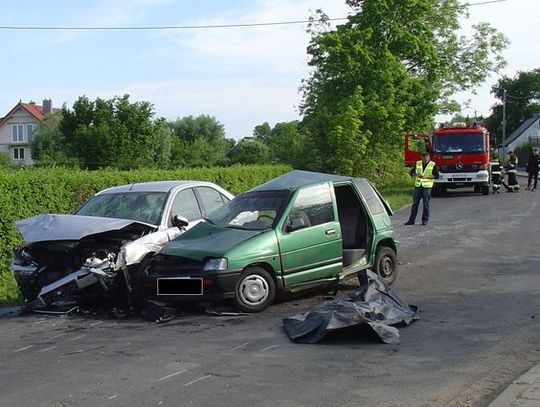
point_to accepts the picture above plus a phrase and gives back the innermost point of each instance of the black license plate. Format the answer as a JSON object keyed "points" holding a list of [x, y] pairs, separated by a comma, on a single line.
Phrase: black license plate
{"points": [[179, 286]]}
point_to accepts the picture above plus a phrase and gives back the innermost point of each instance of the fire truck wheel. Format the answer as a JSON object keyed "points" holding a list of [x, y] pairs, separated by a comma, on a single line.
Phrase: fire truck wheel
{"points": [[386, 264]]}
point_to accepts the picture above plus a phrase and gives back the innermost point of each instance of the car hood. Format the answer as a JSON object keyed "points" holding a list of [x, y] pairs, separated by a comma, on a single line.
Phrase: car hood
{"points": [[208, 240], [52, 227]]}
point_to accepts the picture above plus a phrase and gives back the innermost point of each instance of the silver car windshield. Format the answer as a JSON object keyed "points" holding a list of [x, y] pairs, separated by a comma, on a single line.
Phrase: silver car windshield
{"points": [[140, 206], [251, 211]]}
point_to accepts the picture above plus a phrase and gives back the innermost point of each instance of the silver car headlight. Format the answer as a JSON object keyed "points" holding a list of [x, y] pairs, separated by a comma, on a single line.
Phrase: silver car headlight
{"points": [[220, 264]]}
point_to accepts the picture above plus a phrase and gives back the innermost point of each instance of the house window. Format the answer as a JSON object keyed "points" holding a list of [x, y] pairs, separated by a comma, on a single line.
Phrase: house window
{"points": [[29, 131], [17, 133], [18, 153]]}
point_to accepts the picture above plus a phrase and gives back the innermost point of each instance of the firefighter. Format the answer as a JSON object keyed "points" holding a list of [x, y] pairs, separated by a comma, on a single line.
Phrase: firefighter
{"points": [[532, 169], [511, 171], [496, 175], [425, 171]]}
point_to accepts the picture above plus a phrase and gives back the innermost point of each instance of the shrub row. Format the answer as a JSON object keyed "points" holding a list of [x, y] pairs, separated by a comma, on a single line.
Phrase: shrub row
{"points": [[29, 192]]}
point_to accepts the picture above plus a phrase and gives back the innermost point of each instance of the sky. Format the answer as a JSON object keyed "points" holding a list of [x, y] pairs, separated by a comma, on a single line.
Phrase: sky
{"points": [[241, 76]]}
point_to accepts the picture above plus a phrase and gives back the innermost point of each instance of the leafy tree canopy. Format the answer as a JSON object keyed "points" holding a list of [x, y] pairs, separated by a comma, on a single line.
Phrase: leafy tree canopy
{"points": [[109, 133], [189, 128], [249, 152], [388, 70], [522, 101]]}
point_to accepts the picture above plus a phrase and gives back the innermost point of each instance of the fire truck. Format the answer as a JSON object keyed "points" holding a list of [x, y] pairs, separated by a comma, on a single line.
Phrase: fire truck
{"points": [[460, 152]]}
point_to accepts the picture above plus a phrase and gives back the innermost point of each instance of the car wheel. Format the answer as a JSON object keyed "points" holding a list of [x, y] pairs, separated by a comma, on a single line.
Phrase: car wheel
{"points": [[138, 296], [485, 190], [386, 264], [255, 290]]}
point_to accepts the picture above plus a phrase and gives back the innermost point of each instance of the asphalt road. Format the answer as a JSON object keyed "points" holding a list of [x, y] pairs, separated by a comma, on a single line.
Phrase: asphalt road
{"points": [[473, 271]]}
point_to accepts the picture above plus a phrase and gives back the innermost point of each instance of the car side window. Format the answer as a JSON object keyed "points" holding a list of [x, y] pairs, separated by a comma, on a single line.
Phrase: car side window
{"points": [[185, 204], [211, 199], [313, 206], [373, 202]]}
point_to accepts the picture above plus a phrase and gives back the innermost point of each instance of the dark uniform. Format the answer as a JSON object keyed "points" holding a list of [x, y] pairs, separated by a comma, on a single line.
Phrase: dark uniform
{"points": [[496, 175], [511, 170], [532, 169]]}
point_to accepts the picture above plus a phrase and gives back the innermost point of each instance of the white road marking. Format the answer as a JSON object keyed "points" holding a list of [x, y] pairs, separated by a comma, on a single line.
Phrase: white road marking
{"points": [[172, 374], [113, 397], [25, 348], [96, 323], [49, 348], [241, 346], [77, 337], [59, 335], [198, 380], [269, 347]]}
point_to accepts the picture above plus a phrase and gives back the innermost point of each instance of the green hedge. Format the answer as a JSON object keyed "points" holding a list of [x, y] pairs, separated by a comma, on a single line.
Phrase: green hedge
{"points": [[29, 192]]}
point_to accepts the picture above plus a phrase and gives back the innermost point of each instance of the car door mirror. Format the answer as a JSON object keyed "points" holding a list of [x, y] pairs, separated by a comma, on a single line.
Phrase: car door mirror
{"points": [[179, 221]]}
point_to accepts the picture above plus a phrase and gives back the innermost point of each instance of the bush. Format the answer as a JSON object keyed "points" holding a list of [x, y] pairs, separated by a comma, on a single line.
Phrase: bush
{"points": [[29, 192]]}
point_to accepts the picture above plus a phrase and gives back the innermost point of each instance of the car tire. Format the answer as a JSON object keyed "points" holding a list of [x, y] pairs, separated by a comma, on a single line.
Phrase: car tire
{"points": [[386, 265], [139, 300], [255, 290], [485, 190]]}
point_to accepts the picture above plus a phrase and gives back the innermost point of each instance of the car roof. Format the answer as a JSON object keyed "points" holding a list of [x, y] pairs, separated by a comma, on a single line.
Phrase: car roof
{"points": [[298, 179], [156, 186]]}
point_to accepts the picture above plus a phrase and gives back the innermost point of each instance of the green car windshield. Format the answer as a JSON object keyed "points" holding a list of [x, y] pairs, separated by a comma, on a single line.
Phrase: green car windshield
{"points": [[251, 211], [140, 206]]}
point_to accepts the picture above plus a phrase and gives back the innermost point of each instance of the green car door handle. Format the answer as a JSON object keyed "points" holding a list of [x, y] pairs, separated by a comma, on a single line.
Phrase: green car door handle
{"points": [[330, 231]]}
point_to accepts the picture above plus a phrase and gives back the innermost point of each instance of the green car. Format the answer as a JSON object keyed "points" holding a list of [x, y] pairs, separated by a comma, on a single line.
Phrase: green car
{"points": [[297, 231]]}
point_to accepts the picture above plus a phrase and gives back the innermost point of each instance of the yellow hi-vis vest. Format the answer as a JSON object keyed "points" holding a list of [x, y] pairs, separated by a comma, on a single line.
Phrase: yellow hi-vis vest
{"points": [[428, 172]]}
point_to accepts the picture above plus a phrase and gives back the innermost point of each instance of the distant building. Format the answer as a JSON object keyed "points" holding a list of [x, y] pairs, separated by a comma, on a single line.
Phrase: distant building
{"points": [[527, 132], [17, 127]]}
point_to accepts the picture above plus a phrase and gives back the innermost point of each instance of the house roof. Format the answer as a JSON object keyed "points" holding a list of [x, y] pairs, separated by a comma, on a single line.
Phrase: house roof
{"points": [[34, 110], [521, 129]]}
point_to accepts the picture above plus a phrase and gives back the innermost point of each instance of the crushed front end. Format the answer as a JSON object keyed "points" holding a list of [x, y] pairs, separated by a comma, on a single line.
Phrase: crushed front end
{"points": [[57, 275]]}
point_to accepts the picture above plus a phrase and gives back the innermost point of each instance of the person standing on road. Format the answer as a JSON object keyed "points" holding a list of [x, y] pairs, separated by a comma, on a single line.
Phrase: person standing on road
{"points": [[532, 169], [425, 171], [511, 170], [496, 174]]}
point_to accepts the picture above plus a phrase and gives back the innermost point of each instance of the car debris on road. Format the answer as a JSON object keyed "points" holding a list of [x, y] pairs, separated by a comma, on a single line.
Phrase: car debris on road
{"points": [[374, 305]]}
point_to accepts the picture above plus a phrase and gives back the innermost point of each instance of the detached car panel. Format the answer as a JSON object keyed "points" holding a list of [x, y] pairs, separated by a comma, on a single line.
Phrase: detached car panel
{"points": [[100, 252], [300, 230]]}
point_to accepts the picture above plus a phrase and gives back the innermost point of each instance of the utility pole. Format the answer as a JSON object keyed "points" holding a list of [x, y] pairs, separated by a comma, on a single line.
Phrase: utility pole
{"points": [[504, 122]]}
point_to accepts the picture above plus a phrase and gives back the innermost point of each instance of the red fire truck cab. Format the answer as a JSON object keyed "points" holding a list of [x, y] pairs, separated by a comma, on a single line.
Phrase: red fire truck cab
{"points": [[460, 152]]}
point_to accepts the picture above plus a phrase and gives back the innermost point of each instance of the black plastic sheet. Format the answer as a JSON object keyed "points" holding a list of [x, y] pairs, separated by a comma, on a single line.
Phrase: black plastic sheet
{"points": [[374, 305]]}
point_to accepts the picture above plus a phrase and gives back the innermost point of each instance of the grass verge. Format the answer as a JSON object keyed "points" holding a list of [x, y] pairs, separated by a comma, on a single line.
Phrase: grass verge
{"points": [[398, 195]]}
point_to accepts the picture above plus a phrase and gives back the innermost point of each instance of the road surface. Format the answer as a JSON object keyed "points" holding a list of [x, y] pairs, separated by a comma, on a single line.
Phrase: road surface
{"points": [[473, 271]]}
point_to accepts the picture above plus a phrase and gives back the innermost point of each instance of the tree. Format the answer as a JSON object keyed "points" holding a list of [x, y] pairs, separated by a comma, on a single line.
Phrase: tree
{"points": [[110, 133], [249, 152], [164, 147], [198, 141], [190, 128], [48, 147], [285, 142], [387, 71], [262, 132], [522, 102]]}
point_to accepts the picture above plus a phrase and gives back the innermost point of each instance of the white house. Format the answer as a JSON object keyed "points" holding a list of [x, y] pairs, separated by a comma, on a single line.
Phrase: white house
{"points": [[527, 132], [17, 127]]}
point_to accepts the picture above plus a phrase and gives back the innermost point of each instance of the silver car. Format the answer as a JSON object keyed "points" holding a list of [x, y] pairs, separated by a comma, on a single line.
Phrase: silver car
{"points": [[99, 253]]}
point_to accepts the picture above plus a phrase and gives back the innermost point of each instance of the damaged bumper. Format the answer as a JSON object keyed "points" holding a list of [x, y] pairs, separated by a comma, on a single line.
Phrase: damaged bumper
{"points": [[98, 273], [73, 259]]}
